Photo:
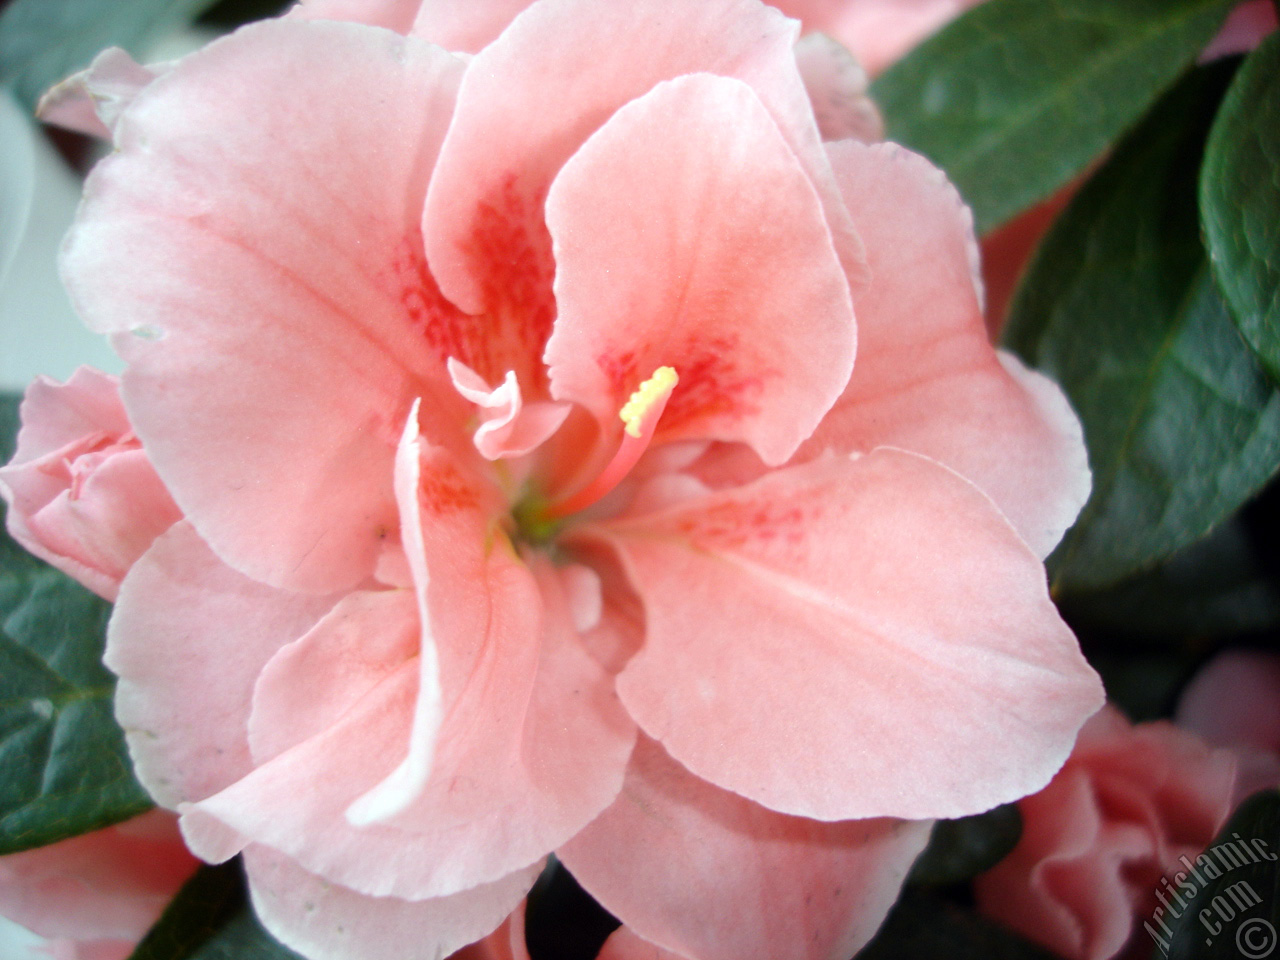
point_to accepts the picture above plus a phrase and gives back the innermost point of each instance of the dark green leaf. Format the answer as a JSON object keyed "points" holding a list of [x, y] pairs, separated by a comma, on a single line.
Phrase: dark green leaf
{"points": [[963, 848], [9, 404], [211, 919], [228, 14], [563, 921], [925, 927], [1227, 903], [1119, 308], [44, 41], [1210, 590], [1240, 201], [1144, 685], [12, 557], [1018, 96], [66, 770]]}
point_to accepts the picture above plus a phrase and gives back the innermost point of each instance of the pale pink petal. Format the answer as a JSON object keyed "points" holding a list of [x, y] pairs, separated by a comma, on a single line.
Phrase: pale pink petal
{"points": [[445, 493], [395, 15], [232, 233], [837, 87], [827, 886], [505, 943], [832, 619], [93, 950], [57, 413], [111, 884], [326, 921], [187, 639], [99, 532], [92, 100], [468, 27], [1245, 27], [619, 629], [296, 802], [1016, 891], [1099, 842], [82, 494], [877, 31], [584, 592], [625, 944], [310, 684], [509, 428], [687, 235], [927, 379], [1235, 701], [533, 743], [524, 109]]}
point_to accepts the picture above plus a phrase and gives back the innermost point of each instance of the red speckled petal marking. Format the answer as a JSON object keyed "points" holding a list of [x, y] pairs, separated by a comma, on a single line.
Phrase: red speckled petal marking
{"points": [[687, 235]]}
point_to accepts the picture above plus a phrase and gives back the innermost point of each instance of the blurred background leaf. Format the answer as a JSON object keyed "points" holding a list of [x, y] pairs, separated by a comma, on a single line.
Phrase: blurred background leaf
{"points": [[924, 926], [1119, 307], [1017, 97], [967, 846], [44, 41], [211, 919], [1241, 905], [1240, 201]]}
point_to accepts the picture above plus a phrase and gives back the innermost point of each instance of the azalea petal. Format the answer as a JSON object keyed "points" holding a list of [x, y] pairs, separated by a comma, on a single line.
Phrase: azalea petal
{"points": [[105, 884], [828, 886], [397, 15], [927, 378], [97, 535], [625, 944], [1235, 701], [55, 413], [311, 683], [82, 495], [449, 493], [509, 427], [1097, 841], [533, 743], [617, 630], [233, 233], [295, 802], [1024, 890], [1245, 28], [326, 921], [877, 31], [505, 943], [187, 639], [522, 112], [468, 27], [837, 88], [830, 620], [92, 100], [535, 740], [687, 235]]}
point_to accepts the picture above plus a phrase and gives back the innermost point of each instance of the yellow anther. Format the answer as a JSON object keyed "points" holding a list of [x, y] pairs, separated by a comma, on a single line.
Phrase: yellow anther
{"points": [[657, 388]]}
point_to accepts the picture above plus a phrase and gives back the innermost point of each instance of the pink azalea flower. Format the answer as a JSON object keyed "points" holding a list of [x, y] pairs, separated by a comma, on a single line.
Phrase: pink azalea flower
{"points": [[1234, 702], [96, 895], [1098, 840], [81, 493], [529, 501], [877, 32]]}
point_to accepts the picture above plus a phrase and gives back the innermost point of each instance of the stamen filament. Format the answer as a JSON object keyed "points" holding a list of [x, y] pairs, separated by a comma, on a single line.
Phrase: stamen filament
{"points": [[640, 414]]}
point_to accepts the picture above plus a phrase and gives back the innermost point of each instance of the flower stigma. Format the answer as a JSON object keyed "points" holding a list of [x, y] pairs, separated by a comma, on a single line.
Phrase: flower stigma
{"points": [[640, 414]]}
